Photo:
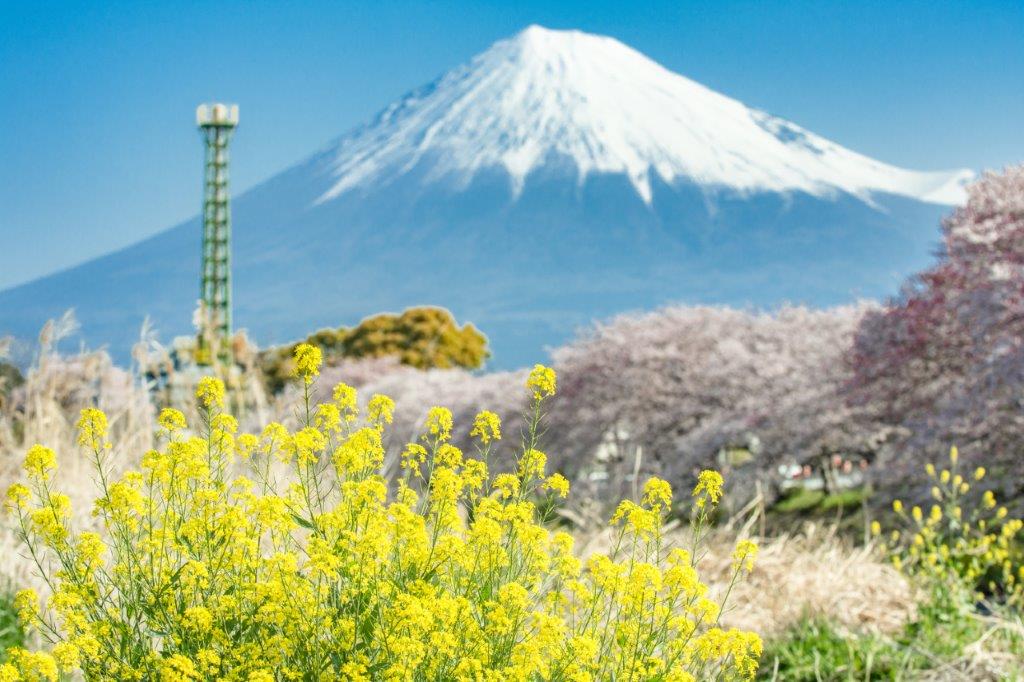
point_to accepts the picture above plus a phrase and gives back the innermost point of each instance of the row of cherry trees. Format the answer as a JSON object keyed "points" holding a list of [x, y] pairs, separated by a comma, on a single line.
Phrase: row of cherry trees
{"points": [[686, 383], [945, 360], [661, 393]]}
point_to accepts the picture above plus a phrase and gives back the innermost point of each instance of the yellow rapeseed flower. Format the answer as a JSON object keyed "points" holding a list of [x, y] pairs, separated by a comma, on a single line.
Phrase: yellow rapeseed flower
{"points": [[412, 457], [507, 485], [956, 548], [439, 423], [486, 427], [380, 409], [542, 382], [33, 666], [224, 423], [210, 392], [327, 417], [558, 484], [347, 400], [307, 362], [531, 465], [743, 556], [448, 455], [641, 521], [26, 605], [178, 668], [67, 655], [657, 493], [708, 488], [40, 461], [18, 496], [92, 428], [171, 419]]}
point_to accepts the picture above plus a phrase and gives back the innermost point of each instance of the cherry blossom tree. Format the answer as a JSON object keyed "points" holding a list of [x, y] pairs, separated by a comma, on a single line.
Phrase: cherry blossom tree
{"points": [[945, 360], [674, 388]]}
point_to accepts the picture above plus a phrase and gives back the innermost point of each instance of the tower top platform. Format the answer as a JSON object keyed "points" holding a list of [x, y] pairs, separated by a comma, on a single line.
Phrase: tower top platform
{"points": [[217, 115]]}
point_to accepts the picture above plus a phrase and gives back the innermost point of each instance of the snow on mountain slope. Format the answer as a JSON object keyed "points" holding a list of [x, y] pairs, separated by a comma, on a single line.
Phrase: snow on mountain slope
{"points": [[544, 94]]}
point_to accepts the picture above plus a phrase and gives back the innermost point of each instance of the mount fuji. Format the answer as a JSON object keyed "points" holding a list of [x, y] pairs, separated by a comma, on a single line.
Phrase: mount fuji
{"points": [[555, 178]]}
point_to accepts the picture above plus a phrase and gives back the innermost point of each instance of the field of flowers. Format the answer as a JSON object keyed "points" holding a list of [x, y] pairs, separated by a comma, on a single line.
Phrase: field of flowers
{"points": [[309, 565], [193, 547]]}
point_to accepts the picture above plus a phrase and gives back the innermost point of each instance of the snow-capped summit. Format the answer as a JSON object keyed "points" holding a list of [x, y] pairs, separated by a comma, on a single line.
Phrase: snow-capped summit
{"points": [[606, 108], [556, 178]]}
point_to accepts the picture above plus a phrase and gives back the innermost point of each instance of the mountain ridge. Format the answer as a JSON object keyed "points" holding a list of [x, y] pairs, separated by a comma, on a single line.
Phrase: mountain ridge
{"points": [[608, 108]]}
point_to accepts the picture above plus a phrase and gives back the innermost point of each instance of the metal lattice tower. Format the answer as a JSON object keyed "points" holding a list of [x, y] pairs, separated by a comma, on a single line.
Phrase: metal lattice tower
{"points": [[216, 124]]}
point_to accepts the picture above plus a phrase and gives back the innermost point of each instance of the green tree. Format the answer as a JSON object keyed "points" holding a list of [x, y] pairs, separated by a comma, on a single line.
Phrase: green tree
{"points": [[419, 337], [423, 337]]}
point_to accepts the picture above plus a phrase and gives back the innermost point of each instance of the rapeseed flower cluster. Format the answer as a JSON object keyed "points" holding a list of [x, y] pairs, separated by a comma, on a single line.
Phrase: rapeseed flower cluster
{"points": [[285, 555], [963, 546]]}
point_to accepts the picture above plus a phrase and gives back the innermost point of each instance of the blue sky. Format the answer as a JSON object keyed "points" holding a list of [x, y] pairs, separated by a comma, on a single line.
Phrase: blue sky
{"points": [[98, 150]]}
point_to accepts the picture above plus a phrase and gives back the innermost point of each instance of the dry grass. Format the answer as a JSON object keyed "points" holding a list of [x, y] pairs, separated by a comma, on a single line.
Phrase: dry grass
{"points": [[812, 574], [45, 409]]}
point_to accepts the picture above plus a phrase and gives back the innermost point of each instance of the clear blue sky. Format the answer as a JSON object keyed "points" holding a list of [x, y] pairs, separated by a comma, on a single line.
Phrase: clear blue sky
{"points": [[98, 150]]}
